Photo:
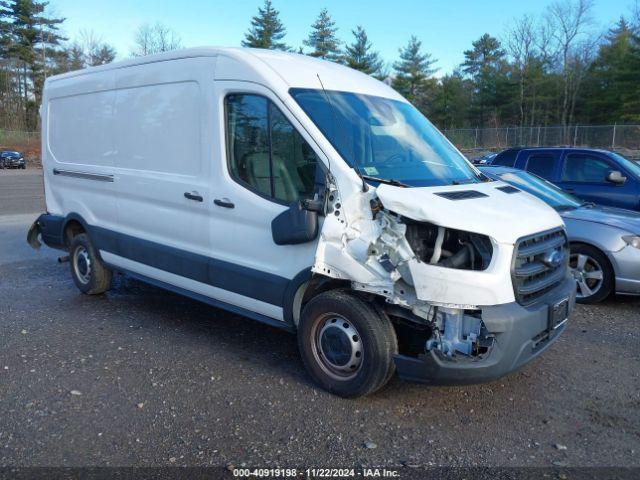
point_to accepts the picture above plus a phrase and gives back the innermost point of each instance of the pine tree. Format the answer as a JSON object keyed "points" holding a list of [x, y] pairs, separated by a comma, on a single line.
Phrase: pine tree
{"points": [[413, 73], [5, 27], [75, 57], [360, 56], [102, 55], [485, 66], [612, 88], [266, 30], [322, 38], [86, 51], [631, 97], [33, 41], [451, 101], [33, 34]]}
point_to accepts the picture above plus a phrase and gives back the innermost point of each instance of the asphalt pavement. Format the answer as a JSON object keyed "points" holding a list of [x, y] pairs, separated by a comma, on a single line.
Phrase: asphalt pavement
{"points": [[142, 377]]}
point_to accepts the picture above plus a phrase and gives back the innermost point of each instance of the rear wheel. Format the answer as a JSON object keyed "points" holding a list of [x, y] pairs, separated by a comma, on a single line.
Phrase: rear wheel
{"points": [[89, 273], [593, 273], [346, 345]]}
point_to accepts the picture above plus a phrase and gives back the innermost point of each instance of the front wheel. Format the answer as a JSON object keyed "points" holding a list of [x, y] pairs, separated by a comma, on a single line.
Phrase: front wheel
{"points": [[593, 273], [89, 273], [346, 344]]}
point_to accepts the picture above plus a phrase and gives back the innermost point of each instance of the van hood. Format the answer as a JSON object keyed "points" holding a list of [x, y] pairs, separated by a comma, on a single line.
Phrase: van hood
{"points": [[481, 208], [614, 217]]}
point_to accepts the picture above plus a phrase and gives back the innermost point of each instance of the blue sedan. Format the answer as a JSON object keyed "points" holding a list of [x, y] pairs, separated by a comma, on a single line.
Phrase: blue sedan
{"points": [[605, 241]]}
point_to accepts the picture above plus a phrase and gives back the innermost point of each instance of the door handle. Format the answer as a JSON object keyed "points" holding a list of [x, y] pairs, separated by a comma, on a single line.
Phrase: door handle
{"points": [[569, 190], [193, 196], [224, 202]]}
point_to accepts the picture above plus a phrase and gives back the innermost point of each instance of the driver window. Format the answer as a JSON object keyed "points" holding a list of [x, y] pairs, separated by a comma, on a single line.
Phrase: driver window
{"points": [[265, 152], [583, 168]]}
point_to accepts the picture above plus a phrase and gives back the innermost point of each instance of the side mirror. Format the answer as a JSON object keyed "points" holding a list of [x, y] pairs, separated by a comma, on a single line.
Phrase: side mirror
{"points": [[616, 177], [298, 224]]}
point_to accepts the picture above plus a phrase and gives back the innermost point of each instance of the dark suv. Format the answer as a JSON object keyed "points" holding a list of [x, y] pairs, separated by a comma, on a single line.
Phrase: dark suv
{"points": [[598, 176], [12, 159]]}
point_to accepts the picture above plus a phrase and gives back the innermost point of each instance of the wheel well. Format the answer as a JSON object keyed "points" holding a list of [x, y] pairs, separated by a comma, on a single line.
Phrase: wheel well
{"points": [[604, 255], [71, 229], [310, 289], [411, 331], [585, 244]]}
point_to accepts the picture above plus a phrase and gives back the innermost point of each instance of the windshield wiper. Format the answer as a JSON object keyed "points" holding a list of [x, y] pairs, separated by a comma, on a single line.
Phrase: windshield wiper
{"points": [[469, 181], [388, 181]]}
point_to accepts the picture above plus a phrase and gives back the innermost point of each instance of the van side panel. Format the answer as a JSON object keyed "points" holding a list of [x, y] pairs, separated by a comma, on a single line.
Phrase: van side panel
{"points": [[126, 145], [158, 128], [78, 147]]}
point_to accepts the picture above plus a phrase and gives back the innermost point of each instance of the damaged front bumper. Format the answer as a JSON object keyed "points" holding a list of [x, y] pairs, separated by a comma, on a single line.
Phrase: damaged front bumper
{"points": [[521, 334]]}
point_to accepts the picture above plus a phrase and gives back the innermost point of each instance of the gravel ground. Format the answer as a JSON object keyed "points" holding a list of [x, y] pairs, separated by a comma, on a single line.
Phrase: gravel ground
{"points": [[142, 377]]}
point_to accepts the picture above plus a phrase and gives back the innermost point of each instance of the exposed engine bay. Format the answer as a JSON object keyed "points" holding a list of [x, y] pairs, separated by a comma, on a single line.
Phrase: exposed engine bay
{"points": [[438, 256], [458, 332], [450, 248], [385, 253]]}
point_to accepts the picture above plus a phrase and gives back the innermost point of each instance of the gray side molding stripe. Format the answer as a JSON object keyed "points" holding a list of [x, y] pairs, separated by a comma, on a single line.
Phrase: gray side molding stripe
{"points": [[85, 175]]}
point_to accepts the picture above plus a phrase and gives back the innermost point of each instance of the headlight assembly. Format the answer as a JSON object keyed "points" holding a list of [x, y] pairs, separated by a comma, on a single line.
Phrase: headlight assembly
{"points": [[633, 240]]}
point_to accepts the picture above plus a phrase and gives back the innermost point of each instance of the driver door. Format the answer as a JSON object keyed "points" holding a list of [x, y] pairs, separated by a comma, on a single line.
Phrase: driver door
{"points": [[263, 166]]}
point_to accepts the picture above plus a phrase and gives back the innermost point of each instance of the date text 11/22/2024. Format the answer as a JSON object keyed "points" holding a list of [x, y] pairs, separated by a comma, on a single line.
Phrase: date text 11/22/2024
{"points": [[315, 473]]}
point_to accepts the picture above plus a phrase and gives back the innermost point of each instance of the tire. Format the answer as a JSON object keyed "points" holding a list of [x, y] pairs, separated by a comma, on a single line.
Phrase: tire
{"points": [[347, 345], [89, 273], [593, 272]]}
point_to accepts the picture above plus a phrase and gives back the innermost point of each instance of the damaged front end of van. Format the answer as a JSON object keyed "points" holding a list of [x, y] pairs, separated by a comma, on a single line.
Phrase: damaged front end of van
{"points": [[472, 294]]}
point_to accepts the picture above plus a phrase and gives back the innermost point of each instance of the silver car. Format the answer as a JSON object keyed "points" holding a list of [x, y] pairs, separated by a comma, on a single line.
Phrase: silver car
{"points": [[605, 241]]}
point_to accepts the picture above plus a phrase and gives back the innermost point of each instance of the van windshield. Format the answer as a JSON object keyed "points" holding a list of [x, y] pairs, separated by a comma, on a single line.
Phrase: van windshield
{"points": [[385, 138]]}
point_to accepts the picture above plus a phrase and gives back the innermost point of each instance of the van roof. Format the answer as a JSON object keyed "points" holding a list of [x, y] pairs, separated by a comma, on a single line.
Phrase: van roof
{"points": [[293, 69]]}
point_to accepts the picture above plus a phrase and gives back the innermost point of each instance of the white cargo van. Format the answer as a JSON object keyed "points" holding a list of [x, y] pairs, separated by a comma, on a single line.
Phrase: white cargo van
{"points": [[308, 196]]}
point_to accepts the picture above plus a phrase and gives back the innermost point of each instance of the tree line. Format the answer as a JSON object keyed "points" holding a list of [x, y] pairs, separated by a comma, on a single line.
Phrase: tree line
{"points": [[33, 47], [555, 68]]}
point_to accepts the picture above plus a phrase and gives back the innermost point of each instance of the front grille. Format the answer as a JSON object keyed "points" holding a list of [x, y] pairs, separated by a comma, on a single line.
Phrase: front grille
{"points": [[540, 263]]}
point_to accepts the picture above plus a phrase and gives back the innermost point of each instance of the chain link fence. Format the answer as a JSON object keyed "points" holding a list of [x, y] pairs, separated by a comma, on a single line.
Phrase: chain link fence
{"points": [[622, 138], [612, 137]]}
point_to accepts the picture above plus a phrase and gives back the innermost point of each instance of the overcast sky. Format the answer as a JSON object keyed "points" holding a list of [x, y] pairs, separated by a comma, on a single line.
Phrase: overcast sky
{"points": [[446, 27]]}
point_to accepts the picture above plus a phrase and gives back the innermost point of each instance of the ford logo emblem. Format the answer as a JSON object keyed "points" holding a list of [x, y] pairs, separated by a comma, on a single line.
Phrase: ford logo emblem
{"points": [[552, 259]]}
